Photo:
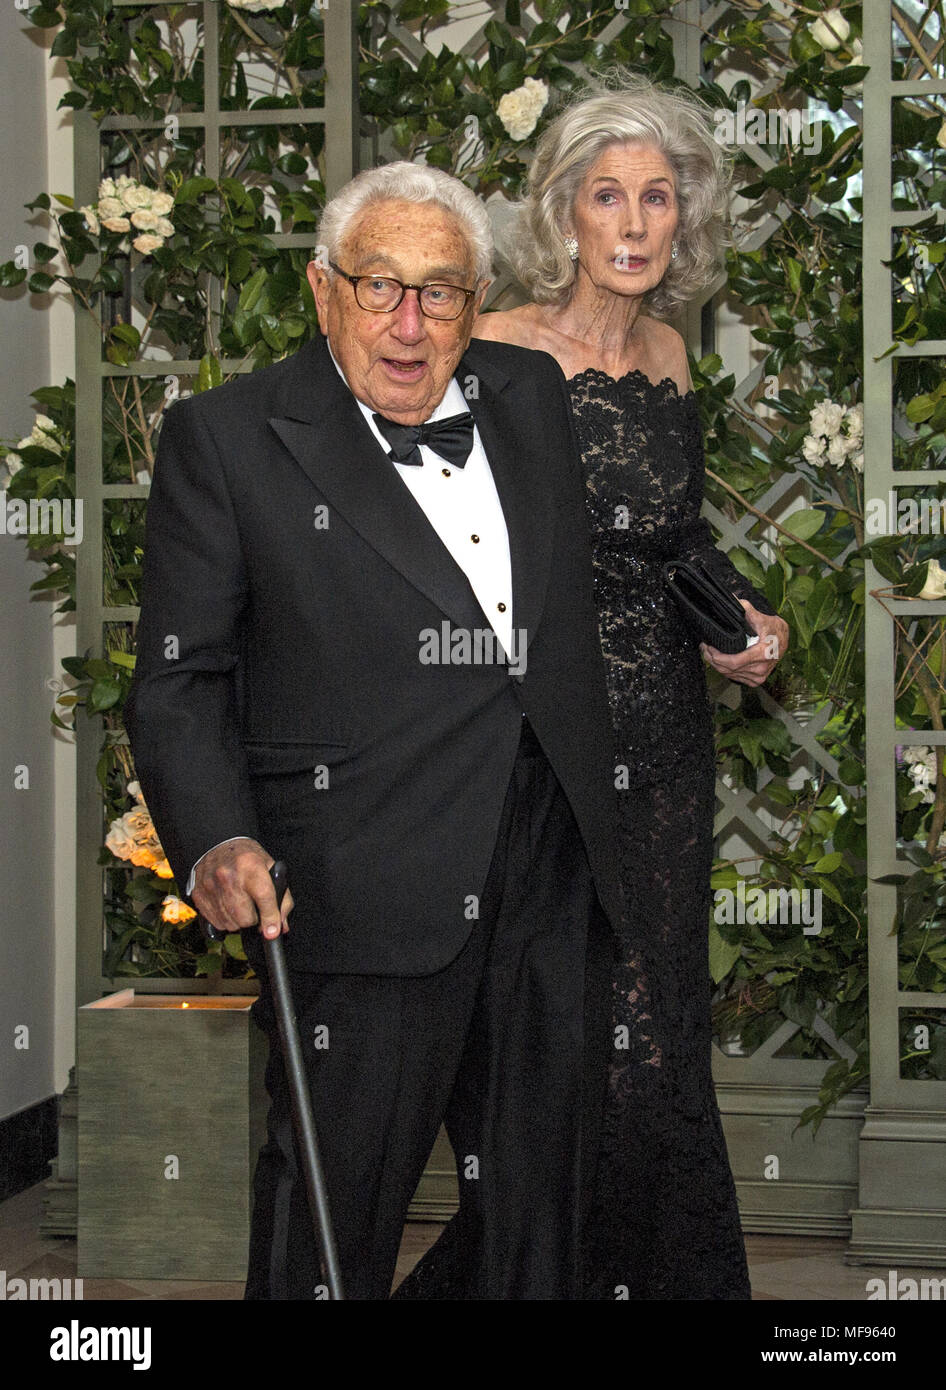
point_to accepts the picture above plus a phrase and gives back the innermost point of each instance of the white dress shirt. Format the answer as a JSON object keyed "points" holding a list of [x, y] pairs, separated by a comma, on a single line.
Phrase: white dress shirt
{"points": [[463, 507]]}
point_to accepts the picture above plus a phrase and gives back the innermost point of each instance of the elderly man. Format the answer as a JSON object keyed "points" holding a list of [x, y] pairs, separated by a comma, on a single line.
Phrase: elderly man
{"points": [[368, 647]]}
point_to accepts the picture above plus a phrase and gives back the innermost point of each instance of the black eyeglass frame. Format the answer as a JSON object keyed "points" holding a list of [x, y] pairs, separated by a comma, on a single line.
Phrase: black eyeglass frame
{"points": [[353, 280]]}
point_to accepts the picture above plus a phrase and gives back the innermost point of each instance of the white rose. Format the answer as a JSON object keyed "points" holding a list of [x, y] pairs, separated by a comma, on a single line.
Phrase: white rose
{"points": [[91, 219], [44, 439], [145, 220], [43, 422], [111, 207], [837, 451], [826, 419], [164, 227], [857, 461], [830, 30], [537, 93], [854, 420], [107, 188], [136, 197], [162, 203], [120, 839], [813, 450], [116, 224], [146, 243], [935, 585], [520, 110], [14, 463], [254, 5]]}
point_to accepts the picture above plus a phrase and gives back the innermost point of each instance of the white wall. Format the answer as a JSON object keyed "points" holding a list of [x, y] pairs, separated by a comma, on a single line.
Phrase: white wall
{"points": [[27, 816]]}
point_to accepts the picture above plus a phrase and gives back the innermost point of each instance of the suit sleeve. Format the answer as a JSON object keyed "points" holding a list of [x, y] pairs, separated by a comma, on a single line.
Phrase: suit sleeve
{"points": [[695, 540], [182, 711]]}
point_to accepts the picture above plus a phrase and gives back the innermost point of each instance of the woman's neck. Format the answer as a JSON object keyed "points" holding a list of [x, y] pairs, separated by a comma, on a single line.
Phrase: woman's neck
{"points": [[603, 323]]}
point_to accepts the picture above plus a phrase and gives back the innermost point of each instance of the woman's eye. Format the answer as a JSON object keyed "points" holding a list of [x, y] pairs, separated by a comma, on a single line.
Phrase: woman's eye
{"points": [[658, 197]]}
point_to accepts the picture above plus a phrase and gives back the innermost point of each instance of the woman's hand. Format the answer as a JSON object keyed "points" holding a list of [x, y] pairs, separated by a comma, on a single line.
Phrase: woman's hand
{"points": [[755, 664]]}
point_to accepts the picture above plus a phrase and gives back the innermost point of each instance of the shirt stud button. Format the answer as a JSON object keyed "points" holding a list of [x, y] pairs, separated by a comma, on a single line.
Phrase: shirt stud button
{"points": [[475, 540], [501, 607], [446, 472]]}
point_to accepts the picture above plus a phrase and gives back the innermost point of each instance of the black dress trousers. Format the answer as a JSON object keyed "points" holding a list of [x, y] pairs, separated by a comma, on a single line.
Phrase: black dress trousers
{"points": [[506, 1045]]}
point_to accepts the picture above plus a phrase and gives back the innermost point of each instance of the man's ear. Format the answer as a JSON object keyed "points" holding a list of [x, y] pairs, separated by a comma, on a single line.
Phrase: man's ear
{"points": [[480, 296], [319, 282]]}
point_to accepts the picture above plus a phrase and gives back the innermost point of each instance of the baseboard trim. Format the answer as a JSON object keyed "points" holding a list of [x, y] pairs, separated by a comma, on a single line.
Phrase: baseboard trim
{"points": [[29, 1140]]}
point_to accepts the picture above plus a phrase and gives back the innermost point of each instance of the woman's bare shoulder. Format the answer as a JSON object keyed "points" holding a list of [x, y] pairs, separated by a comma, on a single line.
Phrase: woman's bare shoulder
{"points": [[520, 326], [666, 354]]}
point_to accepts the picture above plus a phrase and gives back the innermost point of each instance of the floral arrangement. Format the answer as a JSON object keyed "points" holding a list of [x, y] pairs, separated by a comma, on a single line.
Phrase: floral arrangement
{"points": [[133, 837], [124, 205], [837, 436]]}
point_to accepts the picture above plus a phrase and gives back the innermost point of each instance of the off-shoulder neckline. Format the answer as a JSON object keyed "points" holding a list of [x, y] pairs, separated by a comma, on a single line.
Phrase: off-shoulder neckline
{"points": [[636, 372]]}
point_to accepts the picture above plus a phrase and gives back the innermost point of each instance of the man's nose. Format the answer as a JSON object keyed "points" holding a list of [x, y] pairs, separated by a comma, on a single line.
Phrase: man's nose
{"points": [[407, 319]]}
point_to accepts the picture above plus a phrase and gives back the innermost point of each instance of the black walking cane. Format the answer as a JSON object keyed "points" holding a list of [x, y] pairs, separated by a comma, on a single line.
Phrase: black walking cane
{"points": [[303, 1119]]}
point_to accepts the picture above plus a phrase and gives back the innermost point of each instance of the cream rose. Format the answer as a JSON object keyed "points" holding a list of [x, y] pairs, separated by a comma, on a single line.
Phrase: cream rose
{"points": [[830, 30], [146, 243]]}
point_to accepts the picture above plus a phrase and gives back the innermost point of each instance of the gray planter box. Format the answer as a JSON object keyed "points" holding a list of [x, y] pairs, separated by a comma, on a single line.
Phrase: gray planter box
{"points": [[171, 1116], [761, 1099]]}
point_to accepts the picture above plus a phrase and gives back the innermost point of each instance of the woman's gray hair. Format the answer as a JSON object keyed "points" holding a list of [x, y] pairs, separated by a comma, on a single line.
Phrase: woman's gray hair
{"points": [[410, 183], [623, 108]]}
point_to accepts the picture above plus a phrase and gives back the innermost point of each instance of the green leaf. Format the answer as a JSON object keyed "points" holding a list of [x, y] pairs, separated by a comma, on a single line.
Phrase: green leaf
{"points": [[804, 523], [829, 863], [11, 275], [251, 291], [105, 693], [233, 945], [40, 282], [722, 954], [823, 605], [209, 374], [192, 189]]}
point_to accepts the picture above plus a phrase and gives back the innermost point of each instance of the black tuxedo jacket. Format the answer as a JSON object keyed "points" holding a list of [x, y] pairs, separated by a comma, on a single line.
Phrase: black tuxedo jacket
{"points": [[279, 692]]}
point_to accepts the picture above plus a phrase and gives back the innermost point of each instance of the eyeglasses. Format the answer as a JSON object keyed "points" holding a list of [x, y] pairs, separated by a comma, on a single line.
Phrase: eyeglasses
{"points": [[380, 294]]}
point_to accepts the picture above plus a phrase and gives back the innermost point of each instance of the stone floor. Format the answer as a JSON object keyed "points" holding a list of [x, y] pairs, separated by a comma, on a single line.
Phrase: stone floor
{"points": [[782, 1268]]}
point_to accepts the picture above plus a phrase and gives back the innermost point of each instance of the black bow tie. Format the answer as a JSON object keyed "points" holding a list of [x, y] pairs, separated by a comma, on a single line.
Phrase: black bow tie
{"points": [[452, 439]]}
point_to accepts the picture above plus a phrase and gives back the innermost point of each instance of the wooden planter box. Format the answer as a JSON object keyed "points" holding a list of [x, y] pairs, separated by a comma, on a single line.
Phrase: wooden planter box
{"points": [[171, 1117]]}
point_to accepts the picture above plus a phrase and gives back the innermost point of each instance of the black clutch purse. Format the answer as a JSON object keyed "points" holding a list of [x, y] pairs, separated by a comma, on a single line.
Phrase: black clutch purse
{"points": [[715, 613]]}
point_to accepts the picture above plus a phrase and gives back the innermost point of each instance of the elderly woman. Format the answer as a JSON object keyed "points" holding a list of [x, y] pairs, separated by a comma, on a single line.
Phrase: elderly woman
{"points": [[624, 220]]}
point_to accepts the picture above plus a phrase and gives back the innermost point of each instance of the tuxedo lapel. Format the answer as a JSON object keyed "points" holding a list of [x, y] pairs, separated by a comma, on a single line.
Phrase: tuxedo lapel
{"points": [[319, 422], [516, 453]]}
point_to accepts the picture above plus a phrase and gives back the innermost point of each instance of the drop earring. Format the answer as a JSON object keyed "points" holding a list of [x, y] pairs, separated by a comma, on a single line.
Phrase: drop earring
{"points": [[571, 246], [674, 250]]}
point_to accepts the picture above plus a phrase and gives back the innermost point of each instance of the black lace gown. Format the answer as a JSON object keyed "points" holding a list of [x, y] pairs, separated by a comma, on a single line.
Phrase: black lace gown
{"points": [[664, 1222]]}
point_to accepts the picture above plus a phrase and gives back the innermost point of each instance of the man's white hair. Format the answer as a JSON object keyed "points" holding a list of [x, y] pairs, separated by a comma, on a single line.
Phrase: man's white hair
{"points": [[410, 183]]}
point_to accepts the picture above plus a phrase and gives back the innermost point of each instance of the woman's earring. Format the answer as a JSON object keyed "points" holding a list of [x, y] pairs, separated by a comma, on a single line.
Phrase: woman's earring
{"points": [[571, 246], [674, 250]]}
